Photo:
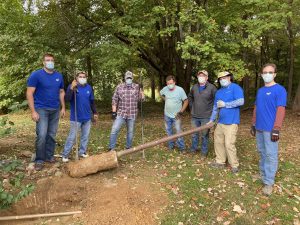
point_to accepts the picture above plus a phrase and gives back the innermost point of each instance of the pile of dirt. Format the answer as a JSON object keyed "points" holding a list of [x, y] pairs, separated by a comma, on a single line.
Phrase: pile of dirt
{"points": [[102, 200]]}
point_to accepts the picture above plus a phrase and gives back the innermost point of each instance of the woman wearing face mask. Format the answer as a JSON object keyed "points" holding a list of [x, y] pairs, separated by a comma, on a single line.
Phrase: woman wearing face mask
{"points": [[85, 109], [227, 103], [268, 115], [201, 101]]}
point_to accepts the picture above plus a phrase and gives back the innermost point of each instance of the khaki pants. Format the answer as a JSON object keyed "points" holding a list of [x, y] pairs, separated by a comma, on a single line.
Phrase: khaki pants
{"points": [[225, 137]]}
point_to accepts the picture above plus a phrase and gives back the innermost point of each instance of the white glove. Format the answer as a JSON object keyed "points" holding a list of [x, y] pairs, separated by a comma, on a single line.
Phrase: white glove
{"points": [[220, 104]]}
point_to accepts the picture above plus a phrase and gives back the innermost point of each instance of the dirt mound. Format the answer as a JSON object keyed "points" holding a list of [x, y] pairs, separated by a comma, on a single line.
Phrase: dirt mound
{"points": [[102, 200]]}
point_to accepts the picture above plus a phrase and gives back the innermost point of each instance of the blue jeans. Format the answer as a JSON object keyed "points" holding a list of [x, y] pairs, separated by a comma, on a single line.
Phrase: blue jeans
{"points": [[169, 122], [119, 121], [268, 152], [196, 122], [46, 128], [85, 128]]}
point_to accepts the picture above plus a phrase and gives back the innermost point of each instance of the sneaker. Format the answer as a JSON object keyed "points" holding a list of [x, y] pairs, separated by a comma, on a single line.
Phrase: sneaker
{"points": [[217, 165], [39, 166], [267, 190], [65, 159], [234, 169], [84, 155]]}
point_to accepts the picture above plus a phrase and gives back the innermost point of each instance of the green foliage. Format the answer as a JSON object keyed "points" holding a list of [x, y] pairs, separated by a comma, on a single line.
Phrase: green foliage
{"points": [[6, 126], [12, 189]]}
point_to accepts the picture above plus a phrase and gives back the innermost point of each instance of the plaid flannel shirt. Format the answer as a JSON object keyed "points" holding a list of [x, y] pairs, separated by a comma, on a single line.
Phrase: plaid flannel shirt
{"points": [[126, 99]]}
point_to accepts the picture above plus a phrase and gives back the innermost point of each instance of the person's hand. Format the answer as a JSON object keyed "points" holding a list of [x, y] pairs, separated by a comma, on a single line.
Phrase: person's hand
{"points": [[35, 116], [63, 112], [95, 118], [210, 122], [179, 115], [142, 94], [274, 135], [220, 104], [74, 84], [253, 131], [113, 115]]}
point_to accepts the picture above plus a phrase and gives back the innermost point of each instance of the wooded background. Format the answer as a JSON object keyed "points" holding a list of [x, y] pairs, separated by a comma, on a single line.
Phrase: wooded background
{"points": [[154, 38]]}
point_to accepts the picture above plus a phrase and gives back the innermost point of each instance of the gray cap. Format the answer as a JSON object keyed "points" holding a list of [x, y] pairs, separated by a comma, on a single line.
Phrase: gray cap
{"points": [[128, 74]]}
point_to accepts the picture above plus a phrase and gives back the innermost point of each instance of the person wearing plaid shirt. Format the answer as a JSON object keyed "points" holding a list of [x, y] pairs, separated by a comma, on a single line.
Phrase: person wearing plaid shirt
{"points": [[124, 109]]}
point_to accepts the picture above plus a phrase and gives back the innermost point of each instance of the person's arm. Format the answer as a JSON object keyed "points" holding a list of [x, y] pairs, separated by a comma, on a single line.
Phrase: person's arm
{"points": [[69, 94], [29, 95], [115, 100], [191, 98], [235, 103], [184, 105], [280, 114], [62, 102], [253, 121], [214, 113]]}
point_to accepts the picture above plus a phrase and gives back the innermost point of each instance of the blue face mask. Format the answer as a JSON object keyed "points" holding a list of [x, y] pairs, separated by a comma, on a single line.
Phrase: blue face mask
{"points": [[224, 82], [128, 81], [268, 77], [171, 86], [49, 65]]}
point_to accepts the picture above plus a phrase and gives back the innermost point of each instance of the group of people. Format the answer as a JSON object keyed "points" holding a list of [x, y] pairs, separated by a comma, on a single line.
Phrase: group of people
{"points": [[46, 99]]}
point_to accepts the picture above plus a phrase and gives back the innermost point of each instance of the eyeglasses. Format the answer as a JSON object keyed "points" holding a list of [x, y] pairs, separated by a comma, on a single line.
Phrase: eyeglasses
{"points": [[271, 72]]}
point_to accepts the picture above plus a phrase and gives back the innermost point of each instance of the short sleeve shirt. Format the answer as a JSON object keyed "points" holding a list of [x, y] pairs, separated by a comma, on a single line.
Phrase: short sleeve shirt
{"points": [[173, 100], [267, 101], [47, 88]]}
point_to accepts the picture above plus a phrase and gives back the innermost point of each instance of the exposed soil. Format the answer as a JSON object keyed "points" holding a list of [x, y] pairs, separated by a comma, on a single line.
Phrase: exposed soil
{"points": [[102, 200]]}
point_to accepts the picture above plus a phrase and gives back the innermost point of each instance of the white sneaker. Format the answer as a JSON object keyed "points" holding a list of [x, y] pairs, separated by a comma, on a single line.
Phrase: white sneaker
{"points": [[65, 159], [84, 155]]}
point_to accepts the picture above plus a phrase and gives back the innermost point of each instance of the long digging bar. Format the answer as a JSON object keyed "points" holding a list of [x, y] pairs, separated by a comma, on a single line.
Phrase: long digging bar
{"points": [[109, 160]]}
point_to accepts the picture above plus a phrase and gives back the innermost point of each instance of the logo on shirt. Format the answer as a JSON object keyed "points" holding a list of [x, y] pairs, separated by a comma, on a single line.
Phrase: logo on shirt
{"points": [[88, 92], [57, 79], [268, 93]]}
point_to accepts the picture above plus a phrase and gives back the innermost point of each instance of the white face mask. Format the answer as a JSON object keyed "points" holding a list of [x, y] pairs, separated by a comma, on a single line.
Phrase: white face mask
{"points": [[49, 65], [201, 80], [267, 77], [128, 81], [224, 82], [82, 81]]}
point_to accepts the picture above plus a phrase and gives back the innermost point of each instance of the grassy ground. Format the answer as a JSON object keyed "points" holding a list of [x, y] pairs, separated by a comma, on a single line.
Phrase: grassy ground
{"points": [[199, 194]]}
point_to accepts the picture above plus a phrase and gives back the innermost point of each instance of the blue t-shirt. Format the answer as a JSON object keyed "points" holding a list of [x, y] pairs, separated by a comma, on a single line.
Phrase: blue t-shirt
{"points": [[47, 89], [84, 98], [267, 101], [173, 100], [228, 94]]}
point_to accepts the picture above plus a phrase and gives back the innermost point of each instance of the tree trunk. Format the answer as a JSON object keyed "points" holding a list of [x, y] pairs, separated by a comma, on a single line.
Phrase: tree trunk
{"points": [[89, 68], [292, 55], [153, 87], [296, 103]]}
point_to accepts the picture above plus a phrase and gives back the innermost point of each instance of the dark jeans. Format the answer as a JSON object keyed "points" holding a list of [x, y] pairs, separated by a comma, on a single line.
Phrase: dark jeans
{"points": [[46, 129]]}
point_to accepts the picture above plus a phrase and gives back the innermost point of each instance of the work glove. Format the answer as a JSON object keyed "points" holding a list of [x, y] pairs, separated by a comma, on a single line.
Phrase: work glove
{"points": [[113, 115], [253, 131], [274, 135], [220, 104], [179, 115]]}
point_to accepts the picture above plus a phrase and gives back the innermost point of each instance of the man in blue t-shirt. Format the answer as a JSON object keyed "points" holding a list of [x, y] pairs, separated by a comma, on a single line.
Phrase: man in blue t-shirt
{"points": [[45, 95], [81, 97], [227, 104], [174, 96], [268, 116]]}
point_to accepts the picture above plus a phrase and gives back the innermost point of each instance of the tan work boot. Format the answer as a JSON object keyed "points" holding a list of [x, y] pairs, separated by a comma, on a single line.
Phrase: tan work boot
{"points": [[267, 190]]}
